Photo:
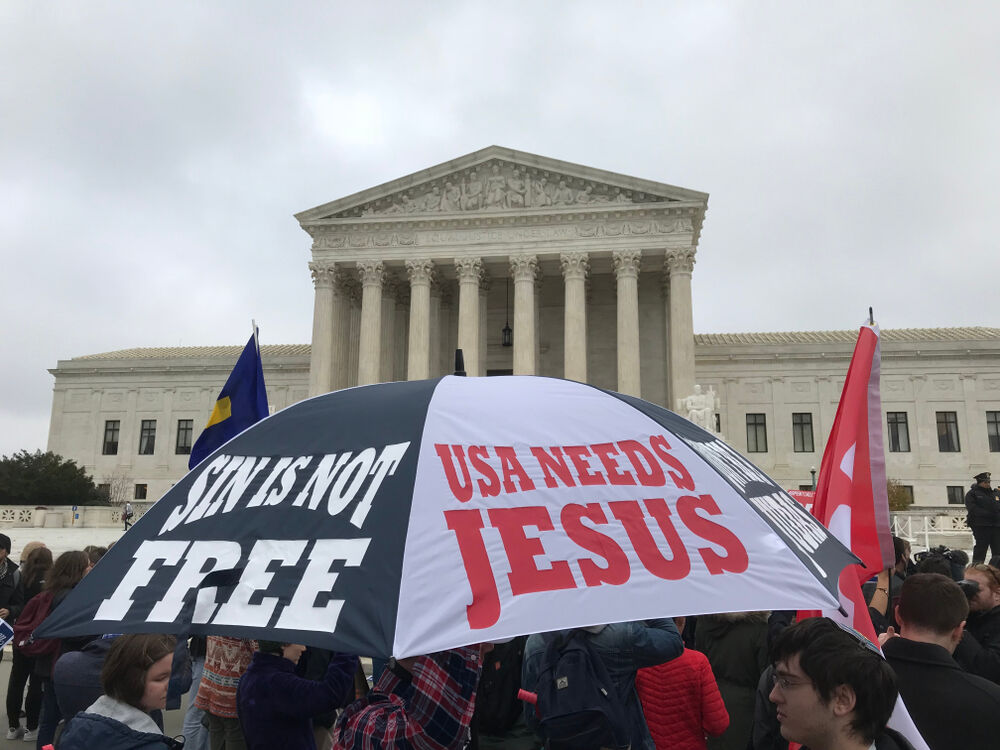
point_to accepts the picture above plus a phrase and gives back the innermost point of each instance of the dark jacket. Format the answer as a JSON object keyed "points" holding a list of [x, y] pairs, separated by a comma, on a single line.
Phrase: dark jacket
{"points": [[983, 506], [276, 706], [76, 676], [11, 592], [736, 647], [43, 664], [979, 650], [951, 708], [624, 648], [112, 725]]}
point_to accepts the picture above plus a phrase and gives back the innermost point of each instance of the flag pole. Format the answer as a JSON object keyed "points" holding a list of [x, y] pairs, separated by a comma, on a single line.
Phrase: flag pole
{"points": [[871, 316], [256, 340]]}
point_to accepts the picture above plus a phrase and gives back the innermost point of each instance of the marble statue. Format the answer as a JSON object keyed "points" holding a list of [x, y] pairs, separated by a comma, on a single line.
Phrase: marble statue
{"points": [[472, 193], [563, 195], [540, 193], [700, 408], [496, 190], [516, 189], [452, 198]]}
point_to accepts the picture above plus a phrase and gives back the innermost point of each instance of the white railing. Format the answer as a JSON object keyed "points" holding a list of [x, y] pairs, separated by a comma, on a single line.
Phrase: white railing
{"points": [[929, 527], [62, 516]]}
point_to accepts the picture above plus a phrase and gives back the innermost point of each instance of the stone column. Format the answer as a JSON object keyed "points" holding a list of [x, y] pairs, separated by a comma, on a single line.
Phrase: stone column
{"points": [[353, 291], [575, 267], [524, 269], [671, 397], [484, 292], [421, 272], [324, 276], [435, 333], [680, 264], [388, 343], [470, 271], [626, 263], [372, 273], [402, 332]]}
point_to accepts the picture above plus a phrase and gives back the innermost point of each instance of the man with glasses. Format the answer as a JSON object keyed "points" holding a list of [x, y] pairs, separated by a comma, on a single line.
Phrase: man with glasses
{"points": [[950, 707], [833, 690], [984, 517], [979, 651]]}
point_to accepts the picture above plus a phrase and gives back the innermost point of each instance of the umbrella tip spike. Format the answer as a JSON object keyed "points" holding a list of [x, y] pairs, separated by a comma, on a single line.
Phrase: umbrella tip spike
{"points": [[459, 363]]}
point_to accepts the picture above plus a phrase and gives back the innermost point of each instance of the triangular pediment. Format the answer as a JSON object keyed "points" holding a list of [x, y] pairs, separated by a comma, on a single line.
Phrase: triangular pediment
{"points": [[498, 179]]}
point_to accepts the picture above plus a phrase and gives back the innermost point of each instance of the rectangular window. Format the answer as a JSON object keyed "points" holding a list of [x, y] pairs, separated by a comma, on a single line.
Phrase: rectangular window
{"points": [[956, 494], [147, 437], [993, 430], [104, 489], [802, 432], [140, 492], [111, 430], [899, 432], [907, 490], [947, 429], [756, 433], [185, 428]]}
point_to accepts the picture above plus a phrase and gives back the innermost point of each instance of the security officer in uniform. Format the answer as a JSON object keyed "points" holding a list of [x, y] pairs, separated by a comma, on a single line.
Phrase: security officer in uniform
{"points": [[984, 517]]}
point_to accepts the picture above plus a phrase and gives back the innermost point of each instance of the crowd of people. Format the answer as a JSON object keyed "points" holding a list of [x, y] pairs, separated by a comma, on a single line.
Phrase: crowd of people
{"points": [[728, 681]]}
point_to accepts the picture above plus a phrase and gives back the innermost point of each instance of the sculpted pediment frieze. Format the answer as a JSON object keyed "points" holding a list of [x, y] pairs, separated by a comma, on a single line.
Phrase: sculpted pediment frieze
{"points": [[499, 185]]}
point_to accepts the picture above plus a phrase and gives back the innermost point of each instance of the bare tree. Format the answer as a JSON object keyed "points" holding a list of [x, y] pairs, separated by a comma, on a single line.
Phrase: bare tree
{"points": [[118, 487]]}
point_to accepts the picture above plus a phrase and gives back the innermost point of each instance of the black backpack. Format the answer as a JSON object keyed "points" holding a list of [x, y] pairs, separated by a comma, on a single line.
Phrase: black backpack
{"points": [[578, 706], [497, 704]]}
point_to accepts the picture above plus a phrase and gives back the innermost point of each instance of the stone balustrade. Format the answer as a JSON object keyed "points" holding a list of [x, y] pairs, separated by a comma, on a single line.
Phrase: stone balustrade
{"points": [[61, 516]]}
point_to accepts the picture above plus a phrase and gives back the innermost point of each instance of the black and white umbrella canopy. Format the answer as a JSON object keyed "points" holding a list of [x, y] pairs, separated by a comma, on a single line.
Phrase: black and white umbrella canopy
{"points": [[407, 518]]}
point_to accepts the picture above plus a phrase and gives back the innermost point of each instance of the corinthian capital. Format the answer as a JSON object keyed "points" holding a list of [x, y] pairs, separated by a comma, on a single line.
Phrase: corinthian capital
{"points": [[680, 260], [371, 272], [420, 271], [575, 265], [324, 274], [470, 270], [524, 267], [626, 263]]}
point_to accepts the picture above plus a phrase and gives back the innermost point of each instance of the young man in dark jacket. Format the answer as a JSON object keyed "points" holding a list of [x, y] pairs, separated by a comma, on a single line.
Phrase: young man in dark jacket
{"points": [[984, 517], [931, 614], [833, 689]]}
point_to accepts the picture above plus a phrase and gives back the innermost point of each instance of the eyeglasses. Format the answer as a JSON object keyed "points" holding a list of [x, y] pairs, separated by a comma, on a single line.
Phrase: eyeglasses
{"points": [[786, 683]]}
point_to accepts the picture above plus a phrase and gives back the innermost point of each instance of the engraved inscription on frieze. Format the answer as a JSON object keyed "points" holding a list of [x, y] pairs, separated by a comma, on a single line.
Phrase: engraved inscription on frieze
{"points": [[499, 186]]}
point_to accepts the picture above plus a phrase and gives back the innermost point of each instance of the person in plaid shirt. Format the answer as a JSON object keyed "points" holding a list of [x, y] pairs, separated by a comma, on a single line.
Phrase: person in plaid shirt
{"points": [[425, 703]]}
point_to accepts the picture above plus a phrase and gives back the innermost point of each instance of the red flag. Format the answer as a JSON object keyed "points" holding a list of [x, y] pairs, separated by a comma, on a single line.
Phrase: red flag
{"points": [[851, 498]]}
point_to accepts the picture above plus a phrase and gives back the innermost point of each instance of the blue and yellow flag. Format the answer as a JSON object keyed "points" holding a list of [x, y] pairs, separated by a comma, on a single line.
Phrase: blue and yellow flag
{"points": [[242, 401]]}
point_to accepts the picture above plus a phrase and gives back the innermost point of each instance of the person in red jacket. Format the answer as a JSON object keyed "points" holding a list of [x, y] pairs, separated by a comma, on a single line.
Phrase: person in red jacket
{"points": [[681, 701]]}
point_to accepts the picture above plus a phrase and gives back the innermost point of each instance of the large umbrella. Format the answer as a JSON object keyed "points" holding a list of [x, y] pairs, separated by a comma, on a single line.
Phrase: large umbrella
{"points": [[407, 518]]}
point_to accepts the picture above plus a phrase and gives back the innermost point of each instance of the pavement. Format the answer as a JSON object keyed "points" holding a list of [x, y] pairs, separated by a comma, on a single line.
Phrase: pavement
{"points": [[61, 540]]}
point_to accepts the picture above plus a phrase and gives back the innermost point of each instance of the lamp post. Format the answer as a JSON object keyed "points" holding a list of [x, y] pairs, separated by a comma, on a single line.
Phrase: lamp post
{"points": [[507, 335], [813, 472]]}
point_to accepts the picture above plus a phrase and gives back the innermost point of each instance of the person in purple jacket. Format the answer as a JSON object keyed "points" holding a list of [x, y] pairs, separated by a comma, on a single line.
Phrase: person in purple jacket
{"points": [[276, 706]]}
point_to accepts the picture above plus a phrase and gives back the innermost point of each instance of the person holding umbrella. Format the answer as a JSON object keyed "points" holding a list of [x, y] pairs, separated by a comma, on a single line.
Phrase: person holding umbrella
{"points": [[275, 705], [424, 702]]}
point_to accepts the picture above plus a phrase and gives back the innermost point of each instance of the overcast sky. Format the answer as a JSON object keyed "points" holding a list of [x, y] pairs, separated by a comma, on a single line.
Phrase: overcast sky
{"points": [[152, 154]]}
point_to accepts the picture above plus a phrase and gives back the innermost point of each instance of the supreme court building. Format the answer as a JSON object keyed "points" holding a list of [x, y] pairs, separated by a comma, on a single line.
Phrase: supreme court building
{"points": [[536, 266]]}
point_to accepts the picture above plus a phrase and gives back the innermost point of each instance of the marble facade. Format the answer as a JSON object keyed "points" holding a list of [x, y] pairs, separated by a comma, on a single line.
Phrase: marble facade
{"points": [[592, 271]]}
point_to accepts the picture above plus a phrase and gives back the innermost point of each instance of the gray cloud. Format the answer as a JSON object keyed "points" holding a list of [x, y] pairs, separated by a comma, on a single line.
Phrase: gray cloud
{"points": [[153, 154]]}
